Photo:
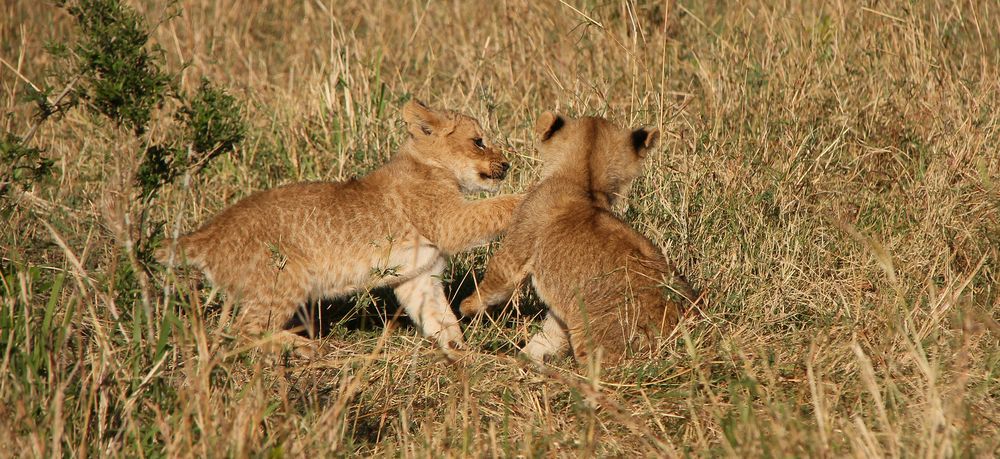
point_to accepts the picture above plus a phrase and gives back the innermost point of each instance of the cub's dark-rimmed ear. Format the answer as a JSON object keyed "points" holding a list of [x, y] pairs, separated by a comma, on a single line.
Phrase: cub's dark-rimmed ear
{"points": [[548, 123], [643, 139], [420, 119]]}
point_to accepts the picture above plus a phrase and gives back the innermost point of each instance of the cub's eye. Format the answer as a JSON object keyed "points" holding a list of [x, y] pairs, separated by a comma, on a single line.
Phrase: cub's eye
{"points": [[479, 143]]}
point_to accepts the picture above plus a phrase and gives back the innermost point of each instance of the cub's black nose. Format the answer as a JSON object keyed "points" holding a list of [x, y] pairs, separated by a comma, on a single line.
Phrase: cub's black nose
{"points": [[503, 170]]}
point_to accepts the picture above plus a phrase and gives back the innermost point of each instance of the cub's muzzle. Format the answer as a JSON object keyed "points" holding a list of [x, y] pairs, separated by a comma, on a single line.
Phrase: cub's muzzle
{"points": [[497, 171]]}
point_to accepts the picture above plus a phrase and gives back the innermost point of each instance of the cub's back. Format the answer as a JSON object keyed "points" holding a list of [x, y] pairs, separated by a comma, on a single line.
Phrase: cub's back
{"points": [[294, 222], [589, 251], [291, 209]]}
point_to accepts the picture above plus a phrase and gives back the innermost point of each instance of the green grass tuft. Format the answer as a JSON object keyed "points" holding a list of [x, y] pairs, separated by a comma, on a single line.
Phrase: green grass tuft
{"points": [[828, 176]]}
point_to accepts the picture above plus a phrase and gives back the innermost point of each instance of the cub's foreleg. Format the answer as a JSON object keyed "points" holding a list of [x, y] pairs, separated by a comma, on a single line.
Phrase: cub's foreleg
{"points": [[470, 223], [424, 301], [504, 272]]}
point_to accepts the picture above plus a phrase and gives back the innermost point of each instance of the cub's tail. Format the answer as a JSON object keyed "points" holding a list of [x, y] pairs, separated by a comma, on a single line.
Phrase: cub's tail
{"points": [[177, 252], [681, 284], [696, 300], [168, 253]]}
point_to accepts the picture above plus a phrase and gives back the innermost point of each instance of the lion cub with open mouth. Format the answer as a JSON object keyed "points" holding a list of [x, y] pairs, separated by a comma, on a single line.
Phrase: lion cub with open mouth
{"points": [[278, 249], [606, 286]]}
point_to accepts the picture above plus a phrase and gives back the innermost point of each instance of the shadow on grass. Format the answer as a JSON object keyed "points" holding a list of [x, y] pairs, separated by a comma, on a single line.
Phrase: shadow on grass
{"points": [[366, 311]]}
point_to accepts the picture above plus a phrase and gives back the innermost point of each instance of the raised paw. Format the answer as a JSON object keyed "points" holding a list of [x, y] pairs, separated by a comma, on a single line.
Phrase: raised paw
{"points": [[471, 306]]}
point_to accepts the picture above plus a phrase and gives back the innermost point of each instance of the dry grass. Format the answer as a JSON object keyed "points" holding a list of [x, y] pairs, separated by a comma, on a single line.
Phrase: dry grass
{"points": [[830, 175]]}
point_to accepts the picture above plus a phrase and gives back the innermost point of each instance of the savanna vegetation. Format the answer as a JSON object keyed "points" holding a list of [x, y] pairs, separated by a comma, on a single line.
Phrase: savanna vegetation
{"points": [[828, 174]]}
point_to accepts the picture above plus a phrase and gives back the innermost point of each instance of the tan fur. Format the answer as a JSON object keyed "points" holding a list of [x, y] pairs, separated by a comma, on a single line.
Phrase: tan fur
{"points": [[605, 284], [278, 249]]}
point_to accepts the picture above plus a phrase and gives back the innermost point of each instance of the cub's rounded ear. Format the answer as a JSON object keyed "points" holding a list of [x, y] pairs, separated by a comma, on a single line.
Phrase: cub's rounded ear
{"points": [[420, 119], [548, 123], [643, 139]]}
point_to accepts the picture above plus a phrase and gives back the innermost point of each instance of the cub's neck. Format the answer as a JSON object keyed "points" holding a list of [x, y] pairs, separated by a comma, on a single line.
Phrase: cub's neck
{"points": [[414, 170], [578, 188]]}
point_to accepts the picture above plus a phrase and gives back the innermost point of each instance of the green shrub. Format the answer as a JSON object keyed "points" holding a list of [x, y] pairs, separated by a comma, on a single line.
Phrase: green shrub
{"points": [[122, 79]]}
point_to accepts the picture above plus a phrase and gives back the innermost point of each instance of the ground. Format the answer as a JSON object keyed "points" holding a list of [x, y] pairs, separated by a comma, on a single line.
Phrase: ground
{"points": [[829, 176]]}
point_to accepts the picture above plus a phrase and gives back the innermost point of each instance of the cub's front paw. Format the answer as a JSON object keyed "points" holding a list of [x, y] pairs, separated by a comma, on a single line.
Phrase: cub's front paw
{"points": [[451, 342], [450, 337], [471, 306]]}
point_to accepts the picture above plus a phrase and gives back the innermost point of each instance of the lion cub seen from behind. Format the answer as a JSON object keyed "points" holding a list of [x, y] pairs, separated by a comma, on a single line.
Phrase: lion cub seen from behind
{"points": [[280, 248], [605, 285]]}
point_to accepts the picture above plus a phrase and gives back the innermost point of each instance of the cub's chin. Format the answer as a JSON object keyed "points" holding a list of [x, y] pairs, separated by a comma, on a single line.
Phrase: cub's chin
{"points": [[474, 183], [490, 187]]}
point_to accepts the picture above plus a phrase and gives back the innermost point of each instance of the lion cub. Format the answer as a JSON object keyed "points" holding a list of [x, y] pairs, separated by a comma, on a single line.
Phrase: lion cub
{"points": [[278, 249], [605, 284]]}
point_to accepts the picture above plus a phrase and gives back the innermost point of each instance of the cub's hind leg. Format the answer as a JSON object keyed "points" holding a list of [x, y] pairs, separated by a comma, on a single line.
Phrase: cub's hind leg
{"points": [[424, 301], [552, 340], [259, 316]]}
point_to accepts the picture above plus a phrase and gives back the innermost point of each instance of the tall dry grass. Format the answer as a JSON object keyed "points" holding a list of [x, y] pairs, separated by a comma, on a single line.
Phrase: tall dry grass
{"points": [[829, 175]]}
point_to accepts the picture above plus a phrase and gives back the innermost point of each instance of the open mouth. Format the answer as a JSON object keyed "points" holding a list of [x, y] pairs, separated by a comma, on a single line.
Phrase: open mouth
{"points": [[497, 172]]}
